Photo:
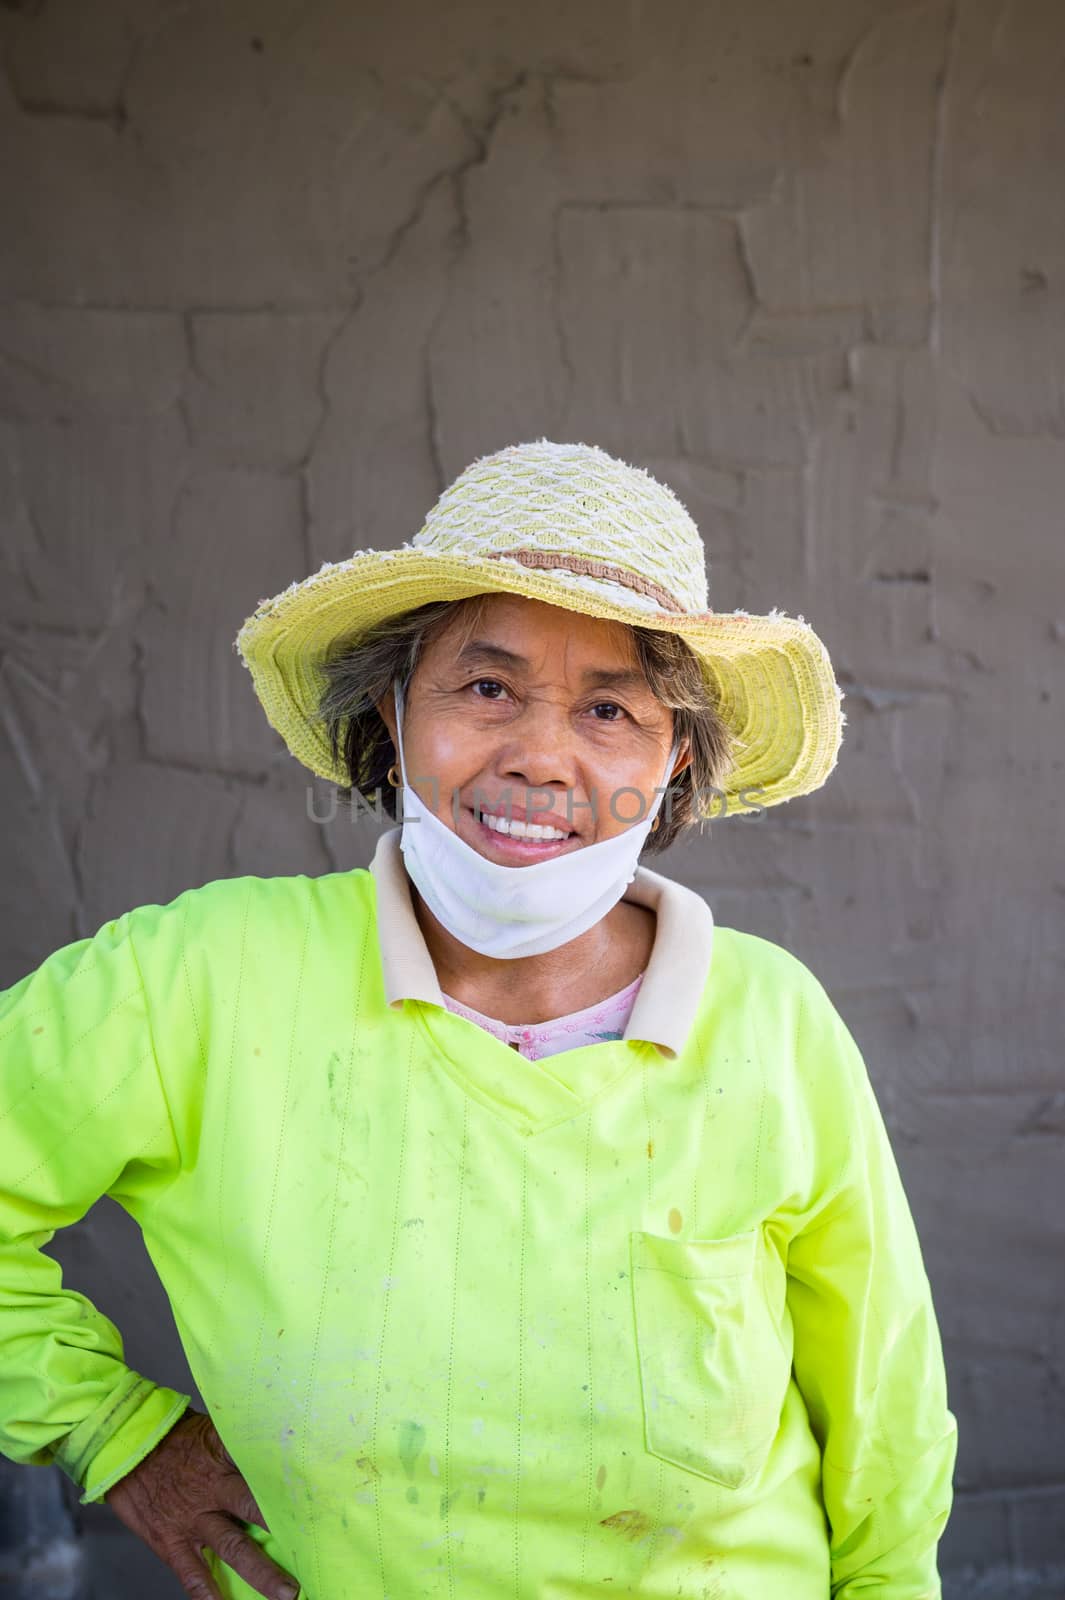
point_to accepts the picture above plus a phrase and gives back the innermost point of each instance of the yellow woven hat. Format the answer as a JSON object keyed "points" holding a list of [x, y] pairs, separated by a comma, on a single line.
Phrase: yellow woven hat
{"points": [[570, 525]]}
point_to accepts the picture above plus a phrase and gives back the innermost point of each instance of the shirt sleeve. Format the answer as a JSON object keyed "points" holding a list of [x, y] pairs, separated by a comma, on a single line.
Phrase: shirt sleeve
{"points": [[867, 1352], [83, 1113]]}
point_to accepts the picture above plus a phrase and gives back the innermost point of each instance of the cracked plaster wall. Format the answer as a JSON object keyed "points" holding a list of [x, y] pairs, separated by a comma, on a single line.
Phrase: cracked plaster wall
{"points": [[274, 273]]}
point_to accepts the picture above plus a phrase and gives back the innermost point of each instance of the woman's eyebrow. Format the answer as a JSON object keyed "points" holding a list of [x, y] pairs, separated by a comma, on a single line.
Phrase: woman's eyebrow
{"points": [[481, 650]]}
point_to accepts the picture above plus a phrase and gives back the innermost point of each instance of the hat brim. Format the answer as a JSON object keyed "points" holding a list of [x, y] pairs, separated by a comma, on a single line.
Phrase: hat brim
{"points": [[771, 676]]}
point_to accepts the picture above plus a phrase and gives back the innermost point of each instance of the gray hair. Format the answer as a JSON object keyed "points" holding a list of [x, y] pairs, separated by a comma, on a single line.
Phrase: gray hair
{"points": [[359, 674]]}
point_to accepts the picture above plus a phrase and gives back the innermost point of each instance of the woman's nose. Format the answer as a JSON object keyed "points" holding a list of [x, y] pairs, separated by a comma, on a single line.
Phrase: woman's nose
{"points": [[539, 764], [538, 768]]}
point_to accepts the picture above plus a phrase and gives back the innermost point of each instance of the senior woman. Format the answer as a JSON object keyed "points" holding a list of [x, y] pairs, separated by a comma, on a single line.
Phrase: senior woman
{"points": [[527, 1235]]}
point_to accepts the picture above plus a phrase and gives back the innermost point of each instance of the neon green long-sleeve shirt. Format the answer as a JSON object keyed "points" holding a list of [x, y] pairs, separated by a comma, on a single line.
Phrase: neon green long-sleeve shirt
{"points": [[471, 1325]]}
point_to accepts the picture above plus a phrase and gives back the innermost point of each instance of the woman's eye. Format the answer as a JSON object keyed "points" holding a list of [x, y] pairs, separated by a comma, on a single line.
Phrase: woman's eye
{"points": [[478, 684]]}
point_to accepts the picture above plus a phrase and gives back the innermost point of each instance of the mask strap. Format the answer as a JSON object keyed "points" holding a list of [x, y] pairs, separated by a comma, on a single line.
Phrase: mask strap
{"points": [[664, 785], [398, 700]]}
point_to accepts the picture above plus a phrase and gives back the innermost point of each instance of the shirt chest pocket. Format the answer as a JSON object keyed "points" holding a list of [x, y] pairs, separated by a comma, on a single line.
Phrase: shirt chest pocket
{"points": [[714, 1350]]}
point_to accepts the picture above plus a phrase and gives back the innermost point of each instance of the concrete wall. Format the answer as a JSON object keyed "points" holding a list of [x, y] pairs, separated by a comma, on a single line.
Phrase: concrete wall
{"points": [[274, 273]]}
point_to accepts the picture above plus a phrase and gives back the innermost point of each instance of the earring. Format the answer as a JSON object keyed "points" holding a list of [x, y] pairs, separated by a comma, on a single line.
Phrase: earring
{"points": [[393, 780], [654, 825]]}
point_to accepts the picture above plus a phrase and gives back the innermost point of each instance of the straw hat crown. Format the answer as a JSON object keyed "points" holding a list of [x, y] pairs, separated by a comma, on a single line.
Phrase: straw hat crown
{"points": [[530, 502]]}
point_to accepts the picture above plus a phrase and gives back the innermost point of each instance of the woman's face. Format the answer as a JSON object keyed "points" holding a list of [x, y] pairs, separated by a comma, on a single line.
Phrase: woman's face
{"points": [[542, 715]]}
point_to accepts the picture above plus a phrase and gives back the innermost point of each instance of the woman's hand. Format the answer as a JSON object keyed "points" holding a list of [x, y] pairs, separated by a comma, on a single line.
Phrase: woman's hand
{"points": [[187, 1493]]}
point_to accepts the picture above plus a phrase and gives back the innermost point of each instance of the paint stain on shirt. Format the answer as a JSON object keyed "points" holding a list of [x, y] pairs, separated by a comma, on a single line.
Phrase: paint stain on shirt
{"points": [[631, 1524]]}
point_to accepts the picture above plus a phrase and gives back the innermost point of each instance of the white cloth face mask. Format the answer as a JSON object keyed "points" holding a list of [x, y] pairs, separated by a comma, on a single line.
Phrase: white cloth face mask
{"points": [[505, 911]]}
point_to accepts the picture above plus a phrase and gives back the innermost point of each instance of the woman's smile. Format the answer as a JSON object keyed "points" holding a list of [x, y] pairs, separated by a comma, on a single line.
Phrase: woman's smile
{"points": [[511, 847]]}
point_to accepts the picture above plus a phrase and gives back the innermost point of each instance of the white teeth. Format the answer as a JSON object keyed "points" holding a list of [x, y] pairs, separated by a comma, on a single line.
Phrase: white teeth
{"points": [[522, 830]]}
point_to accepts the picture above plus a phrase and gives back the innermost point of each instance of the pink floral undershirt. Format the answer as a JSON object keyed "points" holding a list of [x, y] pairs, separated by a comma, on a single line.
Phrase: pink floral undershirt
{"points": [[606, 1020]]}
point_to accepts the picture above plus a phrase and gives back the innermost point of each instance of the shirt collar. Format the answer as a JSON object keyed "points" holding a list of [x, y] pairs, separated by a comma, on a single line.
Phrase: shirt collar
{"points": [[673, 983]]}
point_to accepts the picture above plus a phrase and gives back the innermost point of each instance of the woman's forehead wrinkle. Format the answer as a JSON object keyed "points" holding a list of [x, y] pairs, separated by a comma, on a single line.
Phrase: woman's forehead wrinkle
{"points": [[592, 677], [484, 650]]}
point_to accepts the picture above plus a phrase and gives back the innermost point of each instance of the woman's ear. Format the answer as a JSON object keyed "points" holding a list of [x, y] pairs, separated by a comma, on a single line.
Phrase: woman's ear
{"points": [[386, 708], [683, 761]]}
